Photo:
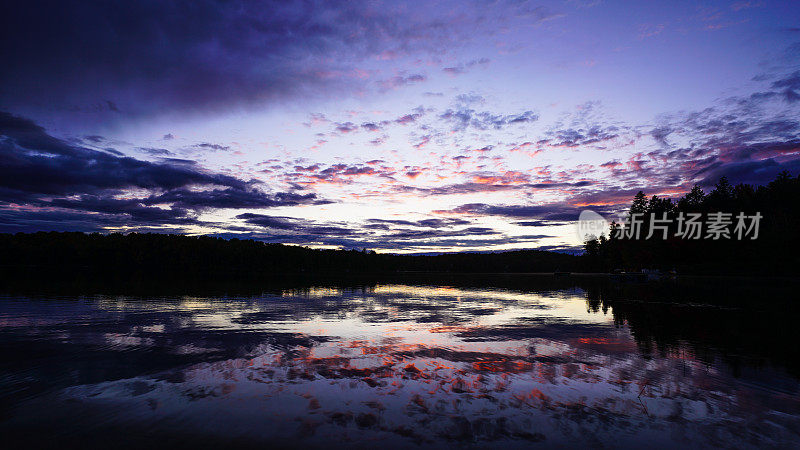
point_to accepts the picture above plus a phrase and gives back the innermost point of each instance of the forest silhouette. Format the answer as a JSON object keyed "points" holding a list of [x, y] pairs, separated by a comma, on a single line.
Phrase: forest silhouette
{"points": [[167, 256], [775, 251]]}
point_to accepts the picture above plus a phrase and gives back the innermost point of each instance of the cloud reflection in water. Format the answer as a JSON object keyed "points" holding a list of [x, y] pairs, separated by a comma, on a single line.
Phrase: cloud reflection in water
{"points": [[388, 364]]}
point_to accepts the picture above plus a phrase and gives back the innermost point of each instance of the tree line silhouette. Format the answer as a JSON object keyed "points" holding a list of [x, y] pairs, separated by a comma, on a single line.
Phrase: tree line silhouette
{"points": [[776, 250], [166, 256]]}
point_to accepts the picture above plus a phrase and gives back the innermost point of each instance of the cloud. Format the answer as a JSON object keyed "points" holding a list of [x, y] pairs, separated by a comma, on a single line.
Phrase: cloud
{"points": [[347, 127], [155, 151], [230, 197], [95, 139], [307, 228], [35, 162], [335, 173], [502, 182], [538, 223], [39, 171], [424, 223], [18, 220], [789, 87], [466, 240], [212, 147], [369, 126], [748, 138], [580, 137], [587, 125], [558, 212], [274, 222], [650, 30], [465, 67], [751, 172], [403, 235], [151, 57], [401, 80], [464, 117], [380, 125], [382, 234]]}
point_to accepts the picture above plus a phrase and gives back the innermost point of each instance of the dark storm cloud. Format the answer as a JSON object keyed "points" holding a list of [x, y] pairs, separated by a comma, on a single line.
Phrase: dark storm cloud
{"points": [[150, 56], [40, 171]]}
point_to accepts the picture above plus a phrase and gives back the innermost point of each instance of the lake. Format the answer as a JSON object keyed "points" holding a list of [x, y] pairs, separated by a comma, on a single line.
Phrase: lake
{"points": [[447, 361]]}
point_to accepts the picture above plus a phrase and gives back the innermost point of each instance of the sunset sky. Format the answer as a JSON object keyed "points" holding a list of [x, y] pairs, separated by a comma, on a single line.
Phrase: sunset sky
{"points": [[399, 127]]}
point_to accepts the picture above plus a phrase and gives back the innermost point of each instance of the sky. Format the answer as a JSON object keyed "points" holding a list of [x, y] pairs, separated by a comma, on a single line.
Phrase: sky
{"points": [[406, 127]]}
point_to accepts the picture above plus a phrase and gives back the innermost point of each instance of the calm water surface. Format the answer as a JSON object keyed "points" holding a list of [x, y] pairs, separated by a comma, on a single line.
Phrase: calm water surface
{"points": [[397, 365]]}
